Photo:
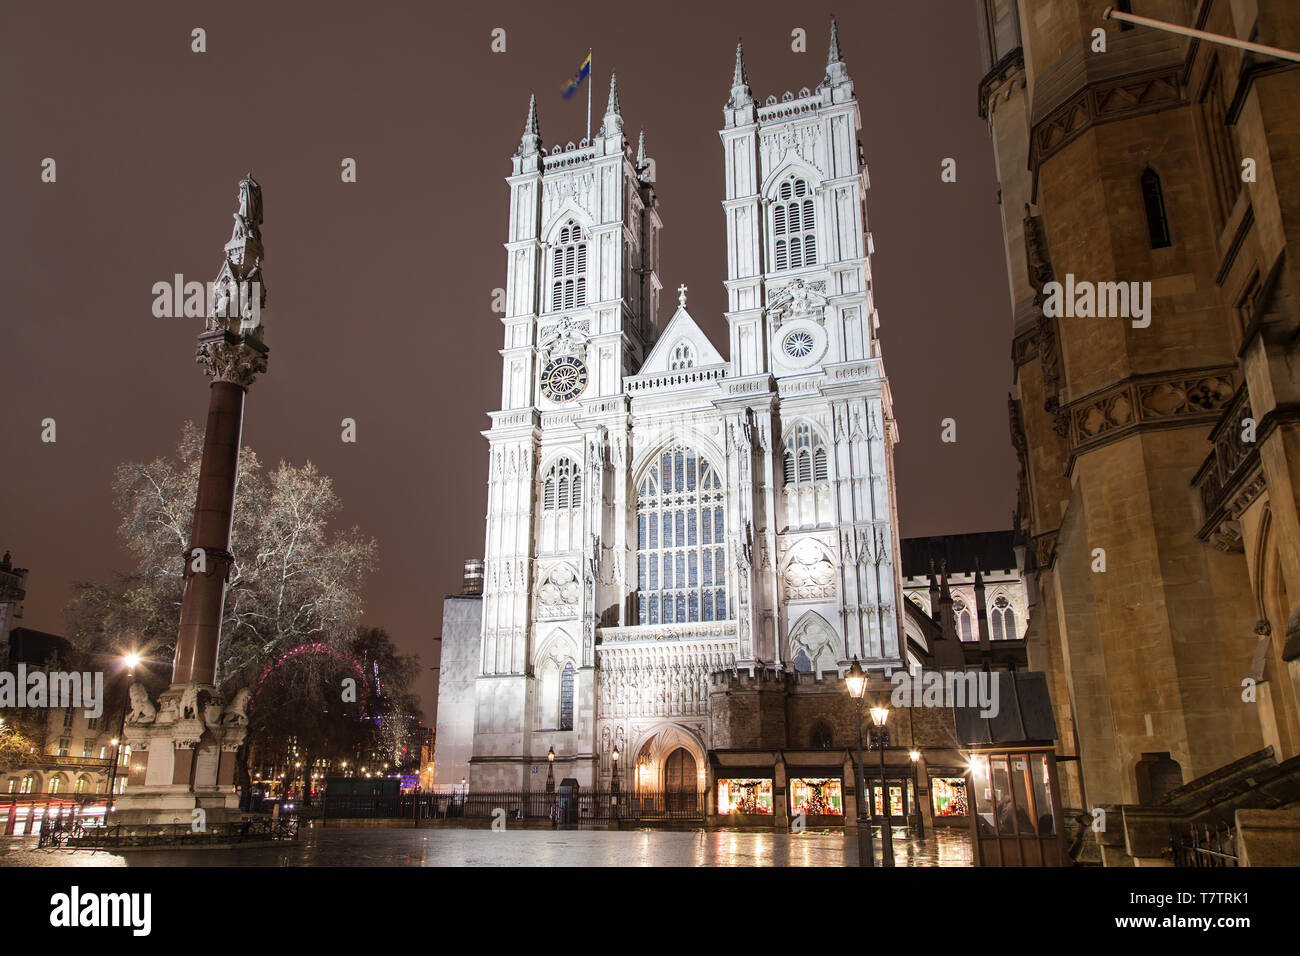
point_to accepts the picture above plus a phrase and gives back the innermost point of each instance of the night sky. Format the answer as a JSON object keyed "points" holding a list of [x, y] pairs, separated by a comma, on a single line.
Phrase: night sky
{"points": [[379, 292]]}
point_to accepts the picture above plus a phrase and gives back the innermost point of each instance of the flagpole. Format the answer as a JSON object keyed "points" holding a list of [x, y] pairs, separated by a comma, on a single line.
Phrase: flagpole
{"points": [[590, 79]]}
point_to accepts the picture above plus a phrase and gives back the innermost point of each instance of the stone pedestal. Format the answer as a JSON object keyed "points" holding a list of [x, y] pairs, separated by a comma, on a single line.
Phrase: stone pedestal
{"points": [[182, 757]]}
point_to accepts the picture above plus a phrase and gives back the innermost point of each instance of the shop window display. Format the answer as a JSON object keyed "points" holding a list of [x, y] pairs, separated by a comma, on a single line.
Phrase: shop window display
{"points": [[816, 796], [949, 796], [745, 795]]}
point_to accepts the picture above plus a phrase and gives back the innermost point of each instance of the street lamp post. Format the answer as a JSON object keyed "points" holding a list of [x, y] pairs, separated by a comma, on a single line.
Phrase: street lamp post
{"points": [[856, 680], [550, 770], [130, 660], [916, 794], [613, 787], [878, 717]]}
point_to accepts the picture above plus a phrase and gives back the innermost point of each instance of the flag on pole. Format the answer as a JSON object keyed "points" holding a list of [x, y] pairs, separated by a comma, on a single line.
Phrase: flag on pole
{"points": [[583, 72]]}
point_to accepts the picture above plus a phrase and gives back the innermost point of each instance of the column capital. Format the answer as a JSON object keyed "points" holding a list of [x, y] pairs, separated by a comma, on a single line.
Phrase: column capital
{"points": [[229, 357]]}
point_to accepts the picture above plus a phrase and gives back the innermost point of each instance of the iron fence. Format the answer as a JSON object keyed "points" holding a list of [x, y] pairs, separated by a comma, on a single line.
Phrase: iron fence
{"points": [[76, 835], [1203, 847]]}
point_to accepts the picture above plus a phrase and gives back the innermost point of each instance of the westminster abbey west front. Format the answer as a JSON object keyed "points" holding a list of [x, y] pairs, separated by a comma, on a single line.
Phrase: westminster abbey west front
{"points": [[686, 550]]}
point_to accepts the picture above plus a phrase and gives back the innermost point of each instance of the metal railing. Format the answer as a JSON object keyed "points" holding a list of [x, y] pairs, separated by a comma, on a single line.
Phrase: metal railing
{"points": [[1203, 847], [77, 835], [584, 807]]}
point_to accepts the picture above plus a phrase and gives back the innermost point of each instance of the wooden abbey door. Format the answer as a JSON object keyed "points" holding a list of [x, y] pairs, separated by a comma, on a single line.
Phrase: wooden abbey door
{"points": [[679, 780]]}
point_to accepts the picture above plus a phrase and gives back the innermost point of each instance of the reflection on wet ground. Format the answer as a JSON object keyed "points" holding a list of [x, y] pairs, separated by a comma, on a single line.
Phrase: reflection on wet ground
{"points": [[458, 847]]}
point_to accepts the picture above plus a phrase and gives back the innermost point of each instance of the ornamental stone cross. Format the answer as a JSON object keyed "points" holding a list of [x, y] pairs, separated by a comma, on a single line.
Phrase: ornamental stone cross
{"points": [[681, 295]]}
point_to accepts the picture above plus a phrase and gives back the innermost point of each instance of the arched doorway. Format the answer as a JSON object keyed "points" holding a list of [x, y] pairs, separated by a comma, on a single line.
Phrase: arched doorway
{"points": [[1157, 774], [680, 780]]}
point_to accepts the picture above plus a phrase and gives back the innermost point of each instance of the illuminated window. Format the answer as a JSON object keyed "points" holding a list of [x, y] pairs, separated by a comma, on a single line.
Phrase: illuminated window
{"points": [[745, 795], [817, 797], [55, 784], [1013, 794], [948, 796], [962, 614], [896, 805], [681, 541], [1002, 620]]}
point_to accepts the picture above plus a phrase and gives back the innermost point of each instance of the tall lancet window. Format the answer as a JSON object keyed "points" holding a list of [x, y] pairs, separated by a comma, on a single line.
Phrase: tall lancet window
{"points": [[806, 468], [569, 269], [566, 696], [1002, 620], [794, 226], [561, 512], [681, 540], [1153, 198], [563, 488]]}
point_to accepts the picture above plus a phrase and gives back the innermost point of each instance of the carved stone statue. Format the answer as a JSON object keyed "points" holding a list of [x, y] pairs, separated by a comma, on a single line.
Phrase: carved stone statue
{"points": [[250, 201], [236, 711], [190, 709], [142, 709]]}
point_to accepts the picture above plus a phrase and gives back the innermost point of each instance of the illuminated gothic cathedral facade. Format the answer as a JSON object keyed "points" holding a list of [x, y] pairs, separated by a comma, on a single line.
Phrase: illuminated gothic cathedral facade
{"points": [[658, 513]]}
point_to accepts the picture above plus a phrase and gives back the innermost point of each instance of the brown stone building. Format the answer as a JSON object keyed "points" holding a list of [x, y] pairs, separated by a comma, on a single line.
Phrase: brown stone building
{"points": [[1161, 546]]}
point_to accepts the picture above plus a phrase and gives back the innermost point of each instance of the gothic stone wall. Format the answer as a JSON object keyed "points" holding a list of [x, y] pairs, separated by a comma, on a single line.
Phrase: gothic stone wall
{"points": [[780, 711]]}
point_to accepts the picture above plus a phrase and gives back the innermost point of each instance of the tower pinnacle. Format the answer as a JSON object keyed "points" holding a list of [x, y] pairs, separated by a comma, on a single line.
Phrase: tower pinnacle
{"points": [[836, 71], [531, 141], [613, 124], [741, 94]]}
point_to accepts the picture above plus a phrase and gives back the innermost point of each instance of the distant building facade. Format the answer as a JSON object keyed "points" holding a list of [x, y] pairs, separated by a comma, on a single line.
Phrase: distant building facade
{"points": [[994, 557], [13, 590], [459, 663], [71, 759]]}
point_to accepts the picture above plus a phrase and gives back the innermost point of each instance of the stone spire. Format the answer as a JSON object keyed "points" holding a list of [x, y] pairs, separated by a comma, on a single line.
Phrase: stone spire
{"points": [[531, 141], [613, 124], [836, 71], [981, 606], [947, 620], [741, 94], [644, 172], [934, 594]]}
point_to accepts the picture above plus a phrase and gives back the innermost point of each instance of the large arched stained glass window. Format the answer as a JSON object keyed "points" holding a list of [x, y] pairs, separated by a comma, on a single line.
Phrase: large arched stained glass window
{"points": [[681, 541]]}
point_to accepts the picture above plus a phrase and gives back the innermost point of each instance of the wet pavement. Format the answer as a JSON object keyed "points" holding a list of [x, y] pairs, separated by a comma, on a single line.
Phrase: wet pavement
{"points": [[462, 847]]}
